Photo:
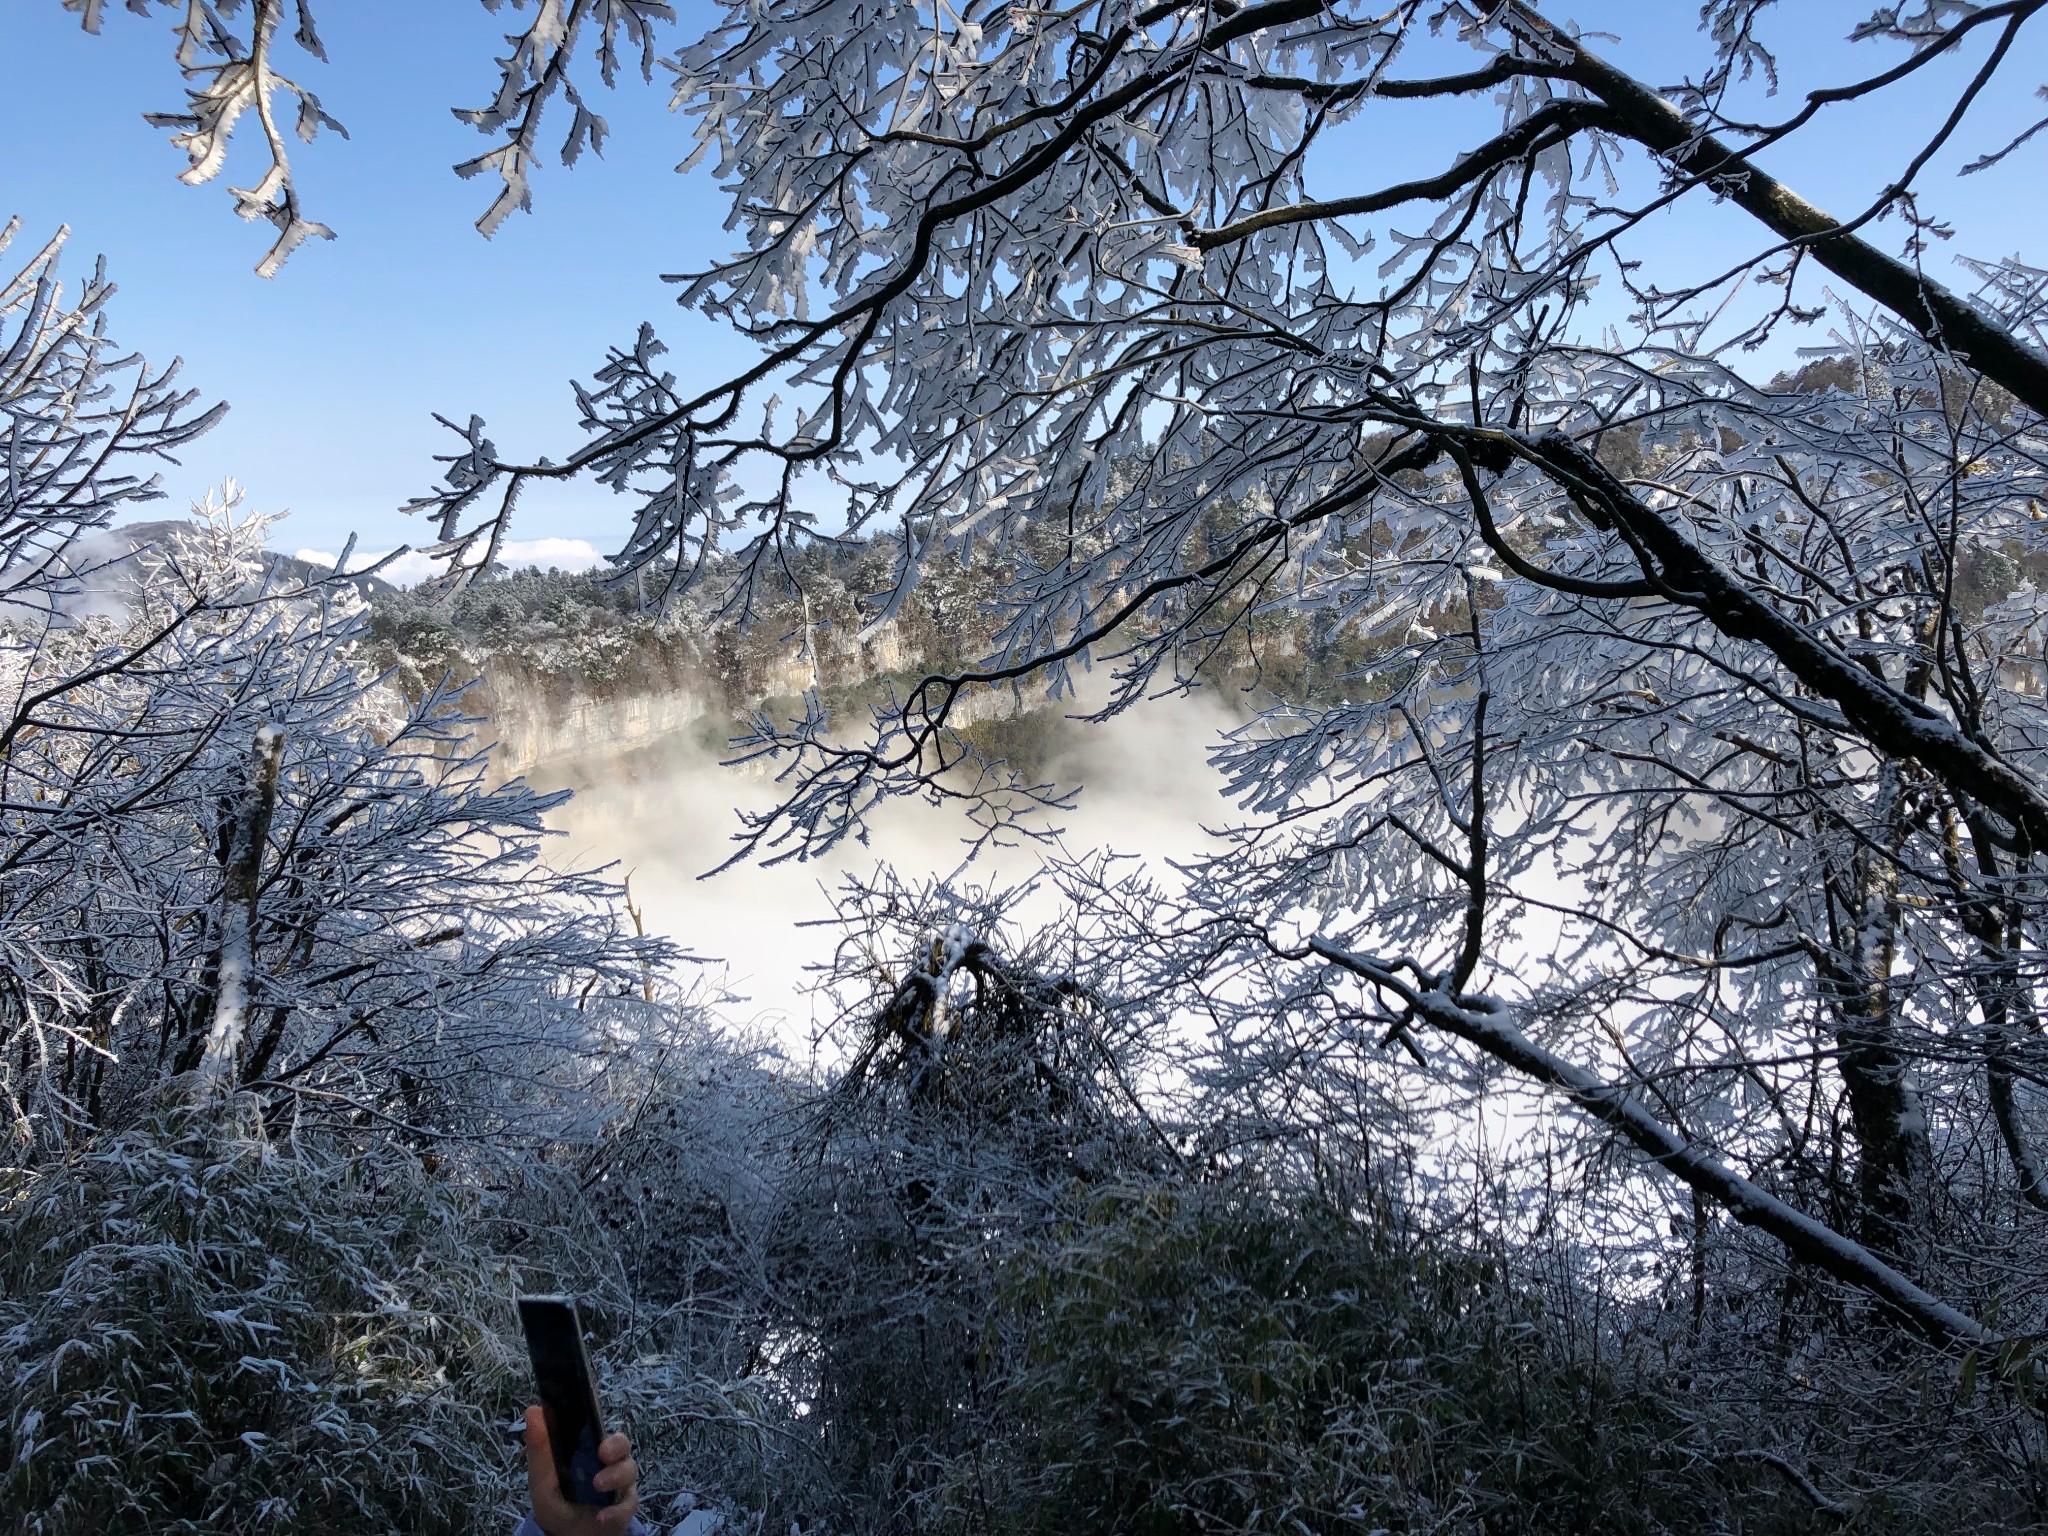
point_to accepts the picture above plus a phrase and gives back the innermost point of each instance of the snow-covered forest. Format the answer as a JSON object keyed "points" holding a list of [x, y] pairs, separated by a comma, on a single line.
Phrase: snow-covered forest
{"points": [[1595, 1081]]}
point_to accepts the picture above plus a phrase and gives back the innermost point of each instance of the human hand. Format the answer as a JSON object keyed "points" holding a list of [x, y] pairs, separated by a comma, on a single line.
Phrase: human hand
{"points": [[552, 1510]]}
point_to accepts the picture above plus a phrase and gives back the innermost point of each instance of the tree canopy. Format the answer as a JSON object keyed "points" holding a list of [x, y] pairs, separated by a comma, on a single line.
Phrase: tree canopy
{"points": [[1682, 803]]}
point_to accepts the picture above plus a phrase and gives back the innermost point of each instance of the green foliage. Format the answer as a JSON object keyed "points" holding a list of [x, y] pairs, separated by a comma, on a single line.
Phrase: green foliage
{"points": [[1212, 1359]]}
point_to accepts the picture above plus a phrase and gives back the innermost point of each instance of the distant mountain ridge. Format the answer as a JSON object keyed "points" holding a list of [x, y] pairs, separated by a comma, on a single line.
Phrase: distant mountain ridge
{"points": [[159, 533]]}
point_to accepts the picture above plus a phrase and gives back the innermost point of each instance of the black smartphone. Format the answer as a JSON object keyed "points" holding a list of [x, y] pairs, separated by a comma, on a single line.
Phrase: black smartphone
{"points": [[568, 1393]]}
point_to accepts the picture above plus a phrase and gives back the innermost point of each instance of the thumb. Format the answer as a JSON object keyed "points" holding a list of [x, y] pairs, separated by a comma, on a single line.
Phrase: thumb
{"points": [[540, 1457]]}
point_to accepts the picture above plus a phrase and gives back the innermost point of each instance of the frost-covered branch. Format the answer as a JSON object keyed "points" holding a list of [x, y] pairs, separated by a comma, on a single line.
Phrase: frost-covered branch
{"points": [[1488, 1024], [536, 71], [79, 422], [231, 70]]}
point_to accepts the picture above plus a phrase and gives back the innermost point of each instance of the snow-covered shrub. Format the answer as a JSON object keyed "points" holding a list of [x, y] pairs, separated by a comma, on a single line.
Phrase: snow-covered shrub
{"points": [[209, 1332], [203, 1329], [355, 927], [655, 1208]]}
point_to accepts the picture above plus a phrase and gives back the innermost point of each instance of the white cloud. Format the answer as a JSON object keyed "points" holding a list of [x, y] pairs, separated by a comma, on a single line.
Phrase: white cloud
{"points": [[568, 554], [411, 567]]}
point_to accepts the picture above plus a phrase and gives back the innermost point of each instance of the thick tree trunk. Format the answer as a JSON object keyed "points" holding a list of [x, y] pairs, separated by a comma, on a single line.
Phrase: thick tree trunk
{"points": [[1894, 1161], [1894, 1157], [239, 885]]}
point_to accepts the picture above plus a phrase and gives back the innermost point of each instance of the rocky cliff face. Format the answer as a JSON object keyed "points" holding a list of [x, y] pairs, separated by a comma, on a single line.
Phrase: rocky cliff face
{"points": [[538, 716], [541, 718], [528, 737]]}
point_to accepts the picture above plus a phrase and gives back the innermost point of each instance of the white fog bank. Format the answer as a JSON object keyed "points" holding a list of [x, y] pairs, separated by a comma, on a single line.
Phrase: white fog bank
{"points": [[665, 814]]}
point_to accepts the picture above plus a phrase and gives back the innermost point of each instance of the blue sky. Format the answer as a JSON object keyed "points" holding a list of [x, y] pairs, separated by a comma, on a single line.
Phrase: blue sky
{"points": [[334, 368]]}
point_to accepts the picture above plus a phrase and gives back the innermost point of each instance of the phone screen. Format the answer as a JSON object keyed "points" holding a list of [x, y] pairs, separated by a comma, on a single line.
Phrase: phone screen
{"points": [[568, 1395]]}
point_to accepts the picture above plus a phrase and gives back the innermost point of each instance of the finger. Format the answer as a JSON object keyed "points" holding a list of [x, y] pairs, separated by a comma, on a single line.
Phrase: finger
{"points": [[614, 1447], [540, 1457], [619, 1477], [620, 1515]]}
